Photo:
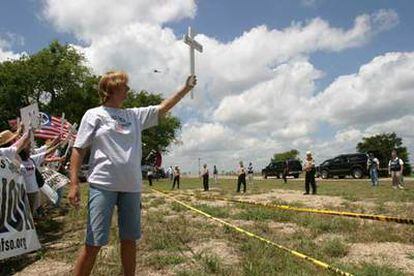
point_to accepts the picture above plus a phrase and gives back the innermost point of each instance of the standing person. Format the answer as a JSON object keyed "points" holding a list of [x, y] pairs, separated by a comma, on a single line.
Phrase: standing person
{"points": [[215, 174], [285, 171], [241, 179], [170, 173], [205, 175], [395, 169], [372, 167], [150, 176], [310, 170], [176, 174], [11, 144], [31, 165], [113, 135], [250, 173]]}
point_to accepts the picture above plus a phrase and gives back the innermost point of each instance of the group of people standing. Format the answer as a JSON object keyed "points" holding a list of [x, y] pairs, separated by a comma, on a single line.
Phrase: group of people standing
{"points": [[18, 148], [242, 172], [395, 170]]}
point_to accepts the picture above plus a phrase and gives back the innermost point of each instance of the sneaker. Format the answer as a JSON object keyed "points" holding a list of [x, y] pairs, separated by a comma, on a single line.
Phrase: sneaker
{"points": [[401, 187], [305, 193]]}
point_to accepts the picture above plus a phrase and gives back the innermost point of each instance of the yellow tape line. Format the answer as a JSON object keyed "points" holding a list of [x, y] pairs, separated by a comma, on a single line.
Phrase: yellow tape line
{"points": [[317, 211], [250, 234]]}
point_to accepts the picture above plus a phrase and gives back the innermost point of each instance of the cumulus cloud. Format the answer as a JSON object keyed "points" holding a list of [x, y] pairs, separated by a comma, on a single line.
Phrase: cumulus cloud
{"points": [[6, 42], [90, 19], [279, 106], [382, 89]]}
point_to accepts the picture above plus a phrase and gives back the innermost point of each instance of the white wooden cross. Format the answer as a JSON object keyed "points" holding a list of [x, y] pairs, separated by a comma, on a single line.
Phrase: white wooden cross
{"points": [[193, 44]]}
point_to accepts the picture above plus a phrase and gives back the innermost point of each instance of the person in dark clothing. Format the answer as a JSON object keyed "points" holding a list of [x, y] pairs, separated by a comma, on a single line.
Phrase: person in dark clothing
{"points": [[205, 175], [150, 176], [310, 170], [241, 178], [176, 178], [215, 174], [373, 167], [285, 170]]}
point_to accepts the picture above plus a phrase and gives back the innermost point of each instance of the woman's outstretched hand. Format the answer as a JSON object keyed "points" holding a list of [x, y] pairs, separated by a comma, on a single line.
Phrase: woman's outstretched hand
{"points": [[191, 81]]}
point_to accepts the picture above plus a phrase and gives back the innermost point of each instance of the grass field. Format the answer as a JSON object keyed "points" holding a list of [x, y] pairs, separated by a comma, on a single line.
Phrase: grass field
{"points": [[177, 241]]}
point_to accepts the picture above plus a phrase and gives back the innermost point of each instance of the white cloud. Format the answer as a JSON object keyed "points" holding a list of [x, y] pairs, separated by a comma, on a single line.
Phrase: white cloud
{"points": [[89, 19], [5, 46], [403, 127], [256, 93], [383, 89], [348, 135], [279, 106]]}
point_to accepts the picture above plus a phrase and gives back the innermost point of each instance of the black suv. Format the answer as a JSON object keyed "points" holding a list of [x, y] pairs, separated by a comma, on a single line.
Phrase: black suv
{"points": [[345, 164], [277, 168]]}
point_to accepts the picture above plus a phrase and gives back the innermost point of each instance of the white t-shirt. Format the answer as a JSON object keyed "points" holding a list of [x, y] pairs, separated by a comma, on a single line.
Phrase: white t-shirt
{"points": [[114, 136], [9, 152], [40, 150], [28, 171]]}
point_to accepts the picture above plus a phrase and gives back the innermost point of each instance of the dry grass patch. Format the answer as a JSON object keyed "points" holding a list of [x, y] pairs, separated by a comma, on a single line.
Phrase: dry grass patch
{"points": [[387, 253], [47, 267], [293, 196], [284, 228], [220, 248]]}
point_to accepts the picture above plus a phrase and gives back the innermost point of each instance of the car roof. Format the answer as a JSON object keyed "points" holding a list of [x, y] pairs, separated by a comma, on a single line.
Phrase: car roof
{"points": [[351, 154]]}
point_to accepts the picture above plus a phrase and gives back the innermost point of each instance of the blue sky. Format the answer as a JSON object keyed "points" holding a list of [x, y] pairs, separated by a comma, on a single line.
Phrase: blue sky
{"points": [[27, 26], [228, 19]]}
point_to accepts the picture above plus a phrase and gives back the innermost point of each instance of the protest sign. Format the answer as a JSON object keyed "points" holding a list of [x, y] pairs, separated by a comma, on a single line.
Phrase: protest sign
{"points": [[17, 230]]}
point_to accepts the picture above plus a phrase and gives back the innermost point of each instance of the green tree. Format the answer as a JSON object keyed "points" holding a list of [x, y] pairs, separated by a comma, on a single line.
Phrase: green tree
{"points": [[57, 71], [381, 146], [282, 156], [156, 138]]}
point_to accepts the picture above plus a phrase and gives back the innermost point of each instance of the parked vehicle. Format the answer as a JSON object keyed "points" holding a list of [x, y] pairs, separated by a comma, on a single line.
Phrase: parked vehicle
{"points": [[344, 165], [277, 168]]}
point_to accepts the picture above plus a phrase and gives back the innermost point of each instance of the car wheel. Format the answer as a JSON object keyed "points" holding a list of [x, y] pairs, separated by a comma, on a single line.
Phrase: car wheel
{"points": [[357, 173], [324, 174], [265, 176]]}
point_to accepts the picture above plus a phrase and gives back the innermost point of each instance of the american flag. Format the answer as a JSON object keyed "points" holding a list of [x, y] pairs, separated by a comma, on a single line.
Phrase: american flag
{"points": [[50, 128]]}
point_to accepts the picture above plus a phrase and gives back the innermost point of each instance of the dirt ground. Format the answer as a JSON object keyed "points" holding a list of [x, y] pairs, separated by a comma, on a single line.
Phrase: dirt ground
{"points": [[395, 254]]}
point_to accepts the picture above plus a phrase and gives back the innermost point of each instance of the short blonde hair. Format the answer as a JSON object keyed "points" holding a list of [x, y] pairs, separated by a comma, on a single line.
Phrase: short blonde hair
{"points": [[109, 81]]}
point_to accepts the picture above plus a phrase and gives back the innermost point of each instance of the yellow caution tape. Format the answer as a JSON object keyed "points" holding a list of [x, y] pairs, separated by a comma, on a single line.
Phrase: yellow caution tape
{"points": [[317, 211], [250, 234]]}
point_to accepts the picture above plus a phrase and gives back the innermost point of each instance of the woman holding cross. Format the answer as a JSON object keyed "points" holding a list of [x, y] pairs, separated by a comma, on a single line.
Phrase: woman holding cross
{"points": [[113, 134]]}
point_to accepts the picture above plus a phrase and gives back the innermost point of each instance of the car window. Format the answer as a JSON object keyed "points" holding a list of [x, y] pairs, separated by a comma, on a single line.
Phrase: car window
{"points": [[357, 158]]}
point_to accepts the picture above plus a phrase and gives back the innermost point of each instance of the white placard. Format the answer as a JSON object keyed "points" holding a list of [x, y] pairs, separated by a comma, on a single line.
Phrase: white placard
{"points": [[17, 231], [54, 179], [30, 116], [49, 193]]}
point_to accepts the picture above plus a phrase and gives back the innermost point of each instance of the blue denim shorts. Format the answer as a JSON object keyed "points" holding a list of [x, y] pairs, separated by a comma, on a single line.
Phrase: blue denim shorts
{"points": [[101, 204]]}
